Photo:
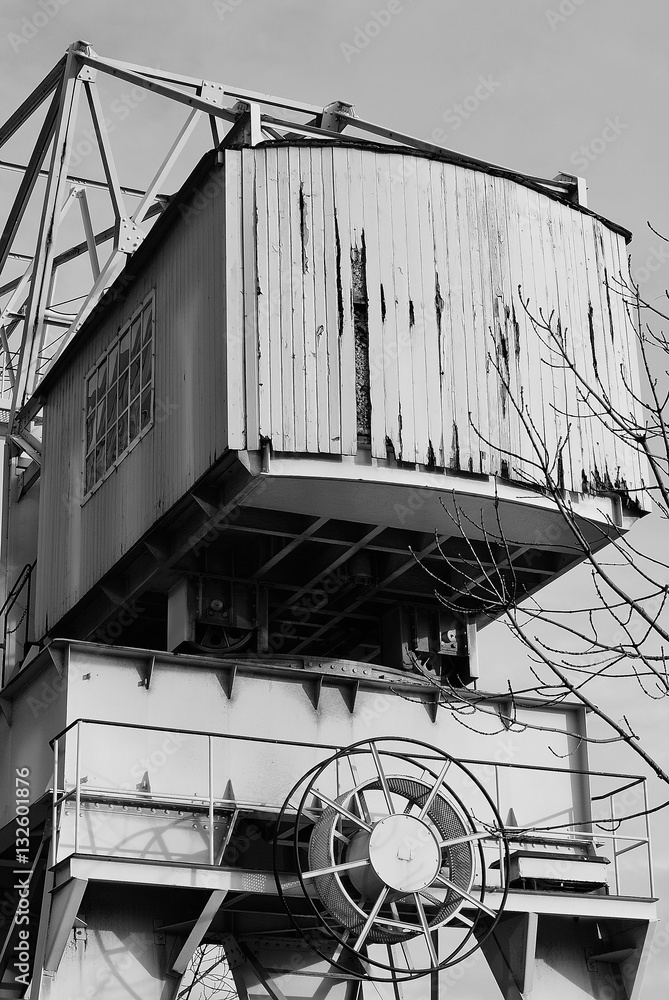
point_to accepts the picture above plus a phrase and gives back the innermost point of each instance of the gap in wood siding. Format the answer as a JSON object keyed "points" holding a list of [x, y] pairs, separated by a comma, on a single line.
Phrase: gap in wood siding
{"points": [[363, 401]]}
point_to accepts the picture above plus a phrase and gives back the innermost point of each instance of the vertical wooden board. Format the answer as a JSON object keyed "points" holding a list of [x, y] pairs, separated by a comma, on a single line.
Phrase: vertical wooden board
{"points": [[331, 284], [634, 465], [234, 301], [297, 289], [570, 312], [286, 300], [305, 249], [318, 236], [419, 331], [349, 432], [271, 303], [540, 306], [383, 366], [263, 293], [251, 346], [607, 340], [504, 261], [491, 344], [399, 298], [598, 356], [555, 279], [473, 333], [526, 304], [540, 412], [620, 366], [432, 329], [374, 321], [579, 343], [444, 358], [456, 404]]}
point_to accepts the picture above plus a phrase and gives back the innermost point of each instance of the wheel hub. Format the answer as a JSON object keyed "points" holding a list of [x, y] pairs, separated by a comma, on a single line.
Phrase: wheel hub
{"points": [[404, 853]]}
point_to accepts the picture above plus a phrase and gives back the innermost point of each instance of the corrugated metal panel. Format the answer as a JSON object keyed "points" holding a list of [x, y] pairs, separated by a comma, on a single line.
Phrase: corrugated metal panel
{"points": [[81, 538]]}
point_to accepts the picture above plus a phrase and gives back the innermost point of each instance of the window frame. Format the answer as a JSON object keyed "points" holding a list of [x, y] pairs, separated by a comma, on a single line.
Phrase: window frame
{"points": [[93, 441]]}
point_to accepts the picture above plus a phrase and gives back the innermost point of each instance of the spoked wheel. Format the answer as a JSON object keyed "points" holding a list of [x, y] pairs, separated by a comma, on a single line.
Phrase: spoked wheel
{"points": [[393, 859]]}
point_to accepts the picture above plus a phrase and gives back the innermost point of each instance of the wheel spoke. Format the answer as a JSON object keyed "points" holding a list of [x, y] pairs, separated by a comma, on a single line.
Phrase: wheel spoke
{"points": [[362, 806], [435, 788], [464, 840], [401, 925], [336, 955], [344, 812], [458, 915], [465, 895], [380, 899], [382, 778], [359, 795], [344, 867], [426, 928]]}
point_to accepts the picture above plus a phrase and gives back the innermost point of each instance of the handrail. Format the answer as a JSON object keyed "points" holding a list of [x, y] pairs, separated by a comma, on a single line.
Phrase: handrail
{"points": [[208, 804], [636, 778]]}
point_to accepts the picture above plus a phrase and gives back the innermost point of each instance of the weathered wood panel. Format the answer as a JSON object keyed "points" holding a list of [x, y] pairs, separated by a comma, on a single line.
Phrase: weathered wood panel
{"points": [[450, 255]]}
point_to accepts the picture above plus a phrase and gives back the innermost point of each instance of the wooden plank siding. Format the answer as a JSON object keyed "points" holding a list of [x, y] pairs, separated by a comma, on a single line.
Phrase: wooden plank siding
{"points": [[447, 250], [255, 338]]}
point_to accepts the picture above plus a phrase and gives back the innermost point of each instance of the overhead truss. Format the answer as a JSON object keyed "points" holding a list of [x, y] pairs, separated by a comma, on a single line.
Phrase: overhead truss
{"points": [[33, 332]]}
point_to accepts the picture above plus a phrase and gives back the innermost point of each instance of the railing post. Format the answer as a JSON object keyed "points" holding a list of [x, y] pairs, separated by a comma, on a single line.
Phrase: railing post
{"points": [[211, 800], [616, 873], [651, 880], [502, 874], [77, 790], [54, 806]]}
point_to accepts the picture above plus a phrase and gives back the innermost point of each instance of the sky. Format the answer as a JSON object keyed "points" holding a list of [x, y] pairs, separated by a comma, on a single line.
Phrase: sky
{"points": [[540, 86]]}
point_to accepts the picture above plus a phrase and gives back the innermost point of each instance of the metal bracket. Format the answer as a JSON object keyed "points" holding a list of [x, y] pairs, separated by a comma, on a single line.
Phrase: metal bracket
{"points": [[87, 74], [233, 952], [226, 678], [214, 93], [128, 236], [331, 118]]}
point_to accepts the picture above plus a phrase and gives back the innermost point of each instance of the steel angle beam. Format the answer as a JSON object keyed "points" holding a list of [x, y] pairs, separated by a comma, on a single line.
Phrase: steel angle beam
{"points": [[201, 927], [65, 904], [62, 130]]}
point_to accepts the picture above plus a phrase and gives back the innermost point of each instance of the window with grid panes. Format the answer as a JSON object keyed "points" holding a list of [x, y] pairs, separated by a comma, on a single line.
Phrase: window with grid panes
{"points": [[119, 396]]}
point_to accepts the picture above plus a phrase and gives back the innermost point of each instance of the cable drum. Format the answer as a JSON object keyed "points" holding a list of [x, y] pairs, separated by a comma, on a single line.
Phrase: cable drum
{"points": [[383, 866], [458, 859]]}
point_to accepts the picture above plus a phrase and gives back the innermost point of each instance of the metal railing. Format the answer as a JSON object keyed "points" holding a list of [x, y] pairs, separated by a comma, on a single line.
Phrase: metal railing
{"points": [[594, 831]]}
